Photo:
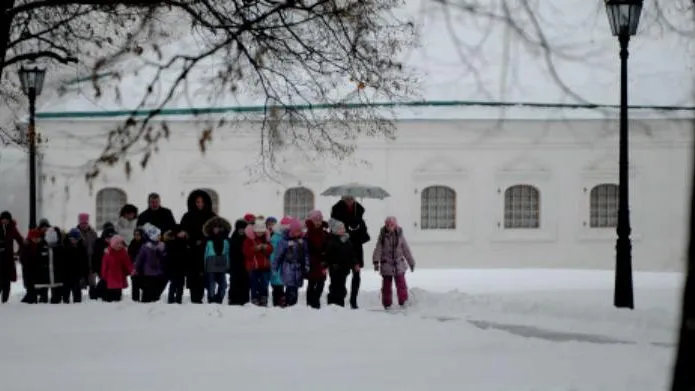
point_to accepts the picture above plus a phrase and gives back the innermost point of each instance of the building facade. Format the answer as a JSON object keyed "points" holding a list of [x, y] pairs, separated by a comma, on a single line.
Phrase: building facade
{"points": [[468, 193]]}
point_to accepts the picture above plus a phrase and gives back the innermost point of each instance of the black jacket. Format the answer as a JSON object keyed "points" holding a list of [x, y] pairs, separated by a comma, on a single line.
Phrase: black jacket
{"points": [[76, 261], [353, 220], [161, 218], [340, 256], [194, 219]]}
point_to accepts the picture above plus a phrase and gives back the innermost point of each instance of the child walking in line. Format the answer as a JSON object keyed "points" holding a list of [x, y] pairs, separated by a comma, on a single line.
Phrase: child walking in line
{"points": [[216, 260], [133, 251], [257, 250], [276, 285], [341, 259], [149, 265], [392, 258], [115, 269], [292, 261]]}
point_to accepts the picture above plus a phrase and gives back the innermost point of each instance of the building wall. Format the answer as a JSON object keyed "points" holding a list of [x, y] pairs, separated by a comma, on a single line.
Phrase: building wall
{"points": [[478, 159]]}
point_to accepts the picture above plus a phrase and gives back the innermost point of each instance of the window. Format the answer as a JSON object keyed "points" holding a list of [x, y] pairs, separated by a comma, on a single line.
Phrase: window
{"points": [[438, 208], [603, 207], [109, 203], [522, 207], [299, 201], [215, 198]]}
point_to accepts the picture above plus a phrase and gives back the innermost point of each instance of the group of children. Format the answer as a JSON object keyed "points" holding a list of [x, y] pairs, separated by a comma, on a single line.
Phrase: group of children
{"points": [[259, 255]]}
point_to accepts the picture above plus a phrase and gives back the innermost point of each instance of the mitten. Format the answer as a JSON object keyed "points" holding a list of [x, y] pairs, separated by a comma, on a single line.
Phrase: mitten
{"points": [[376, 267], [412, 268]]}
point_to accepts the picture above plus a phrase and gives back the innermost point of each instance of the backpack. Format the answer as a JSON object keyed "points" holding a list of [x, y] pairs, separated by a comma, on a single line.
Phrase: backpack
{"points": [[216, 263]]}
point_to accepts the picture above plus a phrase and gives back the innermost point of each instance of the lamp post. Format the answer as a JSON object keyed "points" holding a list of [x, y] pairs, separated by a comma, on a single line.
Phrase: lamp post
{"points": [[31, 78], [623, 16]]}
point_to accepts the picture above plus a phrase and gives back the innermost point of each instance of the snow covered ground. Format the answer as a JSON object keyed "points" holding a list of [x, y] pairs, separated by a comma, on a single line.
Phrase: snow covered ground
{"points": [[477, 330]]}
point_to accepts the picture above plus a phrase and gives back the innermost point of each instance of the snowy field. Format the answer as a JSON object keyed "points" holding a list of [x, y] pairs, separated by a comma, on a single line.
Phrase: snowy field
{"points": [[476, 330]]}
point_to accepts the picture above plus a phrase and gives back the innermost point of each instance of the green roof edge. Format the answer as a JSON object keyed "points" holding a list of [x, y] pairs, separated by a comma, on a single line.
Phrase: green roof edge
{"points": [[325, 106]]}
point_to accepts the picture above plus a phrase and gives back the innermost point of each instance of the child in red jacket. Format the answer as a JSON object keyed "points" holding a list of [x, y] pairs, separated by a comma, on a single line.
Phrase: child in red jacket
{"points": [[257, 250], [116, 266]]}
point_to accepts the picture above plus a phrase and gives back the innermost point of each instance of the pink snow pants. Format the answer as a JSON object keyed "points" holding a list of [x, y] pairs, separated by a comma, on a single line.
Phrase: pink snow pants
{"points": [[387, 290]]}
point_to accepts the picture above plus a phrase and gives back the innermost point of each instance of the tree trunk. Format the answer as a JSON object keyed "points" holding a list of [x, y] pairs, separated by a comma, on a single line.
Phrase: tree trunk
{"points": [[5, 28]]}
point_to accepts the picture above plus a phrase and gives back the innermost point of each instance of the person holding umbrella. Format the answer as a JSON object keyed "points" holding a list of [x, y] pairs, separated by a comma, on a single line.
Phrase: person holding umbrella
{"points": [[351, 213]]}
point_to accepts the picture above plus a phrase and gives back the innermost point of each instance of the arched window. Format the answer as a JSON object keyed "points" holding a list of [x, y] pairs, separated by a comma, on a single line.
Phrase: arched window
{"points": [[603, 206], [110, 200], [522, 207], [215, 198], [299, 201], [438, 208]]}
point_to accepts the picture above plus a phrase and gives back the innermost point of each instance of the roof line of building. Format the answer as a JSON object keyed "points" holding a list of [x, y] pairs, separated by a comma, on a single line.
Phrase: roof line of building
{"points": [[326, 106]]}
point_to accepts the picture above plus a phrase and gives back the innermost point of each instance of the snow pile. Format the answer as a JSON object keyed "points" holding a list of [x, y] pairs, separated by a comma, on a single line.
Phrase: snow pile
{"points": [[481, 330]]}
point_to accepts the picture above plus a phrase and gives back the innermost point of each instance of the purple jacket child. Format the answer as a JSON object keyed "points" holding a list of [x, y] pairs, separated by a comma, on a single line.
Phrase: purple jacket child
{"points": [[150, 260], [392, 258]]}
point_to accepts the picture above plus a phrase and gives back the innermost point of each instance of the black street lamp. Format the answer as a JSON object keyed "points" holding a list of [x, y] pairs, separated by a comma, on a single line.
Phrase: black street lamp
{"points": [[623, 16], [31, 77]]}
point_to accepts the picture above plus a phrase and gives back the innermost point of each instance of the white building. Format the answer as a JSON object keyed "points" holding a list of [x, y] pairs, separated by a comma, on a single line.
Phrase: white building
{"points": [[473, 184]]}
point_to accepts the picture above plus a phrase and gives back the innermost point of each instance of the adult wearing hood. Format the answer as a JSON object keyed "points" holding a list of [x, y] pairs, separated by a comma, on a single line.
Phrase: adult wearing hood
{"points": [[127, 222], [239, 282], [199, 212], [156, 214], [351, 213], [8, 237]]}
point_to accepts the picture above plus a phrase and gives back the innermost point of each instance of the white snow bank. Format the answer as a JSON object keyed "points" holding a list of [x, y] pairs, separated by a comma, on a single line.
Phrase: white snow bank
{"points": [[432, 345]]}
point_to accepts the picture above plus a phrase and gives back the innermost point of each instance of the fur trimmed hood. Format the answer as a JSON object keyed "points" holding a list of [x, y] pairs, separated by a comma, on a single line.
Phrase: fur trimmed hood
{"points": [[217, 222]]}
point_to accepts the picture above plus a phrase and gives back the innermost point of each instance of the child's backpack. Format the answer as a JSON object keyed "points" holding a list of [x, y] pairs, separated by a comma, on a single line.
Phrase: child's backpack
{"points": [[216, 263]]}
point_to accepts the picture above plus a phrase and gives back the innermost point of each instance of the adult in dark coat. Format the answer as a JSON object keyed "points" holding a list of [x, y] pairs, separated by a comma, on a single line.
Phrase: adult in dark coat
{"points": [[239, 282], [192, 222], [156, 214], [351, 213], [8, 237]]}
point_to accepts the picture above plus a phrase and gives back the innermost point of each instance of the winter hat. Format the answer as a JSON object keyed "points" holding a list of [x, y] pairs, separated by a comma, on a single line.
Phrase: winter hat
{"points": [[108, 226], [34, 234], [271, 220], [43, 223], [152, 232], [74, 234], [391, 220], [335, 225], [295, 227], [117, 242], [315, 215], [259, 226], [5, 215], [249, 218], [83, 218]]}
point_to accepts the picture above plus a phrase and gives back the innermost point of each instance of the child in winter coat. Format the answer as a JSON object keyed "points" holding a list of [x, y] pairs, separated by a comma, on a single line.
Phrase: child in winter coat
{"points": [[115, 269], [45, 261], [239, 283], [133, 251], [216, 260], [177, 248], [76, 266], [390, 256], [316, 237], [97, 286], [149, 265], [257, 250], [278, 289], [341, 260], [292, 261]]}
